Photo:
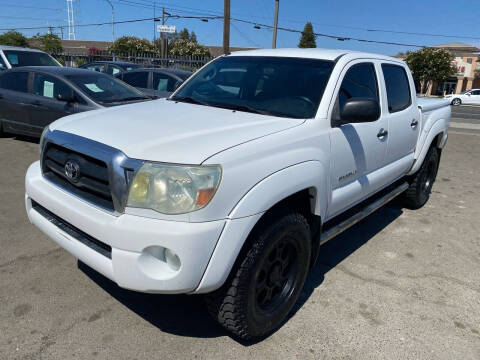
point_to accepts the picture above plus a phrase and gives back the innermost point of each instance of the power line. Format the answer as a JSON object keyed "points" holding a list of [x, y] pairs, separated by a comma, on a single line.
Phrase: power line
{"points": [[212, 12]]}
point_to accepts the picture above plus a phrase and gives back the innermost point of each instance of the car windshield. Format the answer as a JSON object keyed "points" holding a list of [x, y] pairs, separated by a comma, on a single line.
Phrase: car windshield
{"points": [[105, 89], [29, 58], [279, 86]]}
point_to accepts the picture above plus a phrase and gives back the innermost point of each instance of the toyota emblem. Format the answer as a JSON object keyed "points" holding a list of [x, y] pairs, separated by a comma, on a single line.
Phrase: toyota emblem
{"points": [[72, 170]]}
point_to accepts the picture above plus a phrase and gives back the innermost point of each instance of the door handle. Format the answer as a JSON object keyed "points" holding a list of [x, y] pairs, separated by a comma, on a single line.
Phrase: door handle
{"points": [[414, 123], [382, 133]]}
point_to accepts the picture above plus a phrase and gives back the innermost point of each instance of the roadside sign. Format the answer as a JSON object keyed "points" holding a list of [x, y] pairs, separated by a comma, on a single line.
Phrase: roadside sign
{"points": [[169, 29]]}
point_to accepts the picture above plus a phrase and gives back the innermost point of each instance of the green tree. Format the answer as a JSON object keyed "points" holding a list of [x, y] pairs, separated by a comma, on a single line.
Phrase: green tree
{"points": [[430, 64], [185, 43], [308, 37], [131, 45], [50, 43], [13, 38]]}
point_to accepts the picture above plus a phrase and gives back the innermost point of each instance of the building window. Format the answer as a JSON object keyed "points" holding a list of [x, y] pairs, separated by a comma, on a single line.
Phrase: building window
{"points": [[469, 60]]}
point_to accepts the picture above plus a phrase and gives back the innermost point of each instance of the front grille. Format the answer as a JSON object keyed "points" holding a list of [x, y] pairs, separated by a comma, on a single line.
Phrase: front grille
{"points": [[92, 183], [74, 232]]}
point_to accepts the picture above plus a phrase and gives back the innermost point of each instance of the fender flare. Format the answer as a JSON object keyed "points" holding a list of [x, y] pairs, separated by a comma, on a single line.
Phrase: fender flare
{"points": [[249, 210], [283, 183], [440, 127]]}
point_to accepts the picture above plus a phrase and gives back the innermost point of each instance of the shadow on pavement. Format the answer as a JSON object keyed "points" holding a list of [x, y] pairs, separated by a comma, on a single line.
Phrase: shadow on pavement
{"points": [[186, 315]]}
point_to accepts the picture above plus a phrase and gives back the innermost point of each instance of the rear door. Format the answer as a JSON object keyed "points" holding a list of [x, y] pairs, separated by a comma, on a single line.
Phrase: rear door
{"points": [[403, 119], [139, 79], [14, 99]]}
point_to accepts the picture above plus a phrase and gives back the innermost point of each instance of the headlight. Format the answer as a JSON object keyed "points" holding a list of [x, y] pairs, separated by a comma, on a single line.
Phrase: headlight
{"points": [[173, 189], [42, 139]]}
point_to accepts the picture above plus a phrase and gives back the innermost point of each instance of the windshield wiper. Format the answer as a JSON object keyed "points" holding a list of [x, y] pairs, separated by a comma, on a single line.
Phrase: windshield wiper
{"points": [[242, 108], [134, 98], [188, 99]]}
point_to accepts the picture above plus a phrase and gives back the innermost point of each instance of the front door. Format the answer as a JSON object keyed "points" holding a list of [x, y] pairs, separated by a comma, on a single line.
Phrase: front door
{"points": [[44, 107], [358, 149]]}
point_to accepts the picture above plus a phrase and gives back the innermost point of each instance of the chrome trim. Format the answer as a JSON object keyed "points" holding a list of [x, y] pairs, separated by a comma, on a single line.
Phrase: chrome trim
{"points": [[120, 167]]}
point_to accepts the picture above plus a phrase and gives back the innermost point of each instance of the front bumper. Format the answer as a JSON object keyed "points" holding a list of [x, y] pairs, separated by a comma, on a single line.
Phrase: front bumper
{"points": [[136, 242]]}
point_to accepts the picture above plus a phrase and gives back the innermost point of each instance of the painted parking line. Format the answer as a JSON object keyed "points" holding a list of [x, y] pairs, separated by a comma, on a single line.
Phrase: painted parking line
{"points": [[459, 125], [463, 133]]}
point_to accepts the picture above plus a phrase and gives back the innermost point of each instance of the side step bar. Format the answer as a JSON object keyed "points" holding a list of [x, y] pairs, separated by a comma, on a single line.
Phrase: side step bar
{"points": [[364, 211]]}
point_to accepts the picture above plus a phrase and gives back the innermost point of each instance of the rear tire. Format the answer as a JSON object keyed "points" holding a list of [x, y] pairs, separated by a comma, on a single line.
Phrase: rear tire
{"points": [[456, 102], [421, 183], [267, 278]]}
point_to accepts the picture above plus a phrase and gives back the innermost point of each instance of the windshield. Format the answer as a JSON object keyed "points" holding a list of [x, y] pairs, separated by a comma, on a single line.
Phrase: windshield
{"points": [[29, 58], [279, 86], [105, 89]]}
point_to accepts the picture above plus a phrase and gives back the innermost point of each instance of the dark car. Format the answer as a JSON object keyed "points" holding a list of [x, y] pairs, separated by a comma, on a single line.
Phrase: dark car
{"points": [[155, 82], [32, 97], [110, 67]]}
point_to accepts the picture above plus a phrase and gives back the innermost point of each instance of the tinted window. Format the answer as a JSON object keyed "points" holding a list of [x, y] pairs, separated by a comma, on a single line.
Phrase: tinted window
{"points": [[112, 70], [163, 82], [280, 86], [16, 81], [97, 67], [398, 88], [137, 79], [105, 89], [476, 92], [50, 87], [29, 58], [360, 81]]}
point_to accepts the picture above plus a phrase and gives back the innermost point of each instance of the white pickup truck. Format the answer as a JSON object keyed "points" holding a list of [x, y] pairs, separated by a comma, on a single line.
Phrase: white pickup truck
{"points": [[230, 186]]}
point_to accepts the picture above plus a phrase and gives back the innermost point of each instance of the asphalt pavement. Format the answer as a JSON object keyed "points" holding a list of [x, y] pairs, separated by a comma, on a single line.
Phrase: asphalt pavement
{"points": [[400, 284]]}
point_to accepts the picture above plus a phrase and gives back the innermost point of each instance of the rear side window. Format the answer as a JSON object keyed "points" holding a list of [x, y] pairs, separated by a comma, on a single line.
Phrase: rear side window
{"points": [[360, 81], [398, 88], [137, 79], [15, 81]]}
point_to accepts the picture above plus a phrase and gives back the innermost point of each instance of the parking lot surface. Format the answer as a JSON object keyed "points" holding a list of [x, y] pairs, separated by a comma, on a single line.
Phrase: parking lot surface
{"points": [[399, 285]]}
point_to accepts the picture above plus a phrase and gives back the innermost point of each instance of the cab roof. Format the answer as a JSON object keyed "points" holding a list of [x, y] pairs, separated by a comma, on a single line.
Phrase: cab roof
{"points": [[315, 53]]}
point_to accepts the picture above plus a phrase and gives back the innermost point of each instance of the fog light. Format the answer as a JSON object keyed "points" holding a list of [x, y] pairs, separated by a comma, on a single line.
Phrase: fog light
{"points": [[173, 261]]}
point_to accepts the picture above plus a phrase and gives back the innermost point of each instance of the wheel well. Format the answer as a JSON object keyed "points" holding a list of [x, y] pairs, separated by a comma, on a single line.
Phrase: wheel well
{"points": [[304, 203]]}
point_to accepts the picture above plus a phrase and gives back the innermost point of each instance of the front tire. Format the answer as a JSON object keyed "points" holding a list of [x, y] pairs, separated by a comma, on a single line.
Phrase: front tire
{"points": [[267, 279], [456, 102], [421, 183]]}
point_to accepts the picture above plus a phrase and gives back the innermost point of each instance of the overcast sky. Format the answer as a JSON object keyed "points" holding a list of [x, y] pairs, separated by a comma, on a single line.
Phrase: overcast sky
{"points": [[346, 18]]}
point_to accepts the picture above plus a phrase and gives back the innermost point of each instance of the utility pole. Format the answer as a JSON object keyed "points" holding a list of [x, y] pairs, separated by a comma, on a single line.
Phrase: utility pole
{"points": [[164, 46], [113, 20], [226, 26], [71, 20], [154, 25], [275, 25]]}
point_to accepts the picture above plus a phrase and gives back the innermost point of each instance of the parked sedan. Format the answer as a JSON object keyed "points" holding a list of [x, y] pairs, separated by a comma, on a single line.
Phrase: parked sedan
{"points": [[470, 97], [155, 82], [32, 97], [110, 67]]}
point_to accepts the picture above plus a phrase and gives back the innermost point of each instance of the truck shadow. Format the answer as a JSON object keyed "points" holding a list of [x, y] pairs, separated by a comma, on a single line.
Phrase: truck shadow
{"points": [[340, 247], [186, 315]]}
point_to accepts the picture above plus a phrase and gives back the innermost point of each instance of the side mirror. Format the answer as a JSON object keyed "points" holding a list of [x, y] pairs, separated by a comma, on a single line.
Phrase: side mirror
{"points": [[2, 67], [358, 110], [67, 97]]}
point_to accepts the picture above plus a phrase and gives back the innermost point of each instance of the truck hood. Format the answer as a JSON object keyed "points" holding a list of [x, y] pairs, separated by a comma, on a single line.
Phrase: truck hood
{"points": [[169, 131]]}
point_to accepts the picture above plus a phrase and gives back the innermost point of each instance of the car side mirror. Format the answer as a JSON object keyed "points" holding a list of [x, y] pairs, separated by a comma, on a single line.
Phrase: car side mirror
{"points": [[357, 110], [67, 97], [2, 67]]}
